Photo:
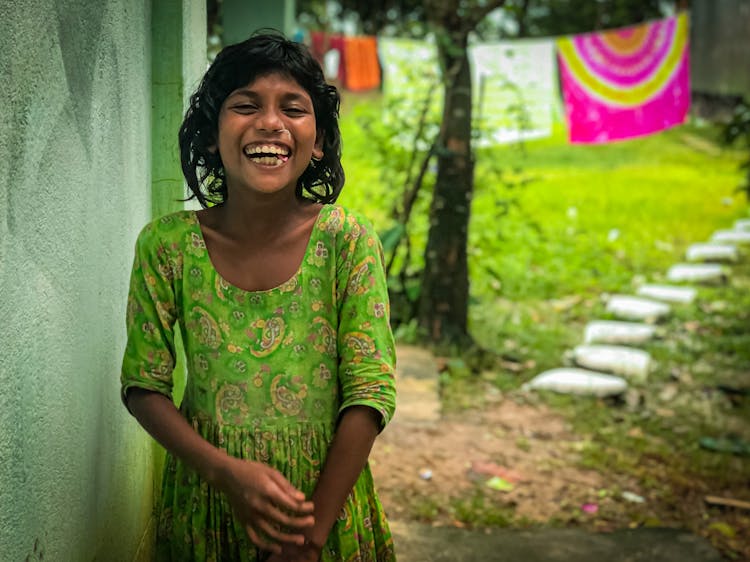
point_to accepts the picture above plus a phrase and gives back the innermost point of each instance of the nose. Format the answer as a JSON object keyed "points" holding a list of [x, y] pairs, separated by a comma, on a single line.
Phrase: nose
{"points": [[270, 120]]}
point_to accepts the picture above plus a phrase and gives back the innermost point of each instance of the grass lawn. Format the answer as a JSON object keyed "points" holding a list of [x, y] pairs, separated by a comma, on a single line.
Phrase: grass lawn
{"points": [[555, 227]]}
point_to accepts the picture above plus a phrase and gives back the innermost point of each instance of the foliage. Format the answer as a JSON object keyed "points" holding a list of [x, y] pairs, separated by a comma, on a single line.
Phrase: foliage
{"points": [[738, 131], [396, 17], [552, 222], [565, 17], [517, 18]]}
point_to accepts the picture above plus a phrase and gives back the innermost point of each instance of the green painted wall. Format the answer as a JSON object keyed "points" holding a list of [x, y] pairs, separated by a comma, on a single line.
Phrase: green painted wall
{"points": [[76, 471], [241, 17]]}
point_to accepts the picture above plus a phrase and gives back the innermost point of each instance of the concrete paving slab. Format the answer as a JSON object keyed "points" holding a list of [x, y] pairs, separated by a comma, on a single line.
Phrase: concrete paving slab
{"points": [[617, 359], [731, 236], [668, 293], [697, 273], [423, 543], [636, 308], [418, 400], [617, 331], [571, 380], [712, 252]]}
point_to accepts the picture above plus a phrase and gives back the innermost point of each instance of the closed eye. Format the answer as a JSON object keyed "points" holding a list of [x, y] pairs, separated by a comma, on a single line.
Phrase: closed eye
{"points": [[295, 111], [244, 108]]}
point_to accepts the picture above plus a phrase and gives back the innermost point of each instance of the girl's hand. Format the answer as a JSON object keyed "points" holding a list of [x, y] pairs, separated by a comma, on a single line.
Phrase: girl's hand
{"points": [[294, 553], [267, 505]]}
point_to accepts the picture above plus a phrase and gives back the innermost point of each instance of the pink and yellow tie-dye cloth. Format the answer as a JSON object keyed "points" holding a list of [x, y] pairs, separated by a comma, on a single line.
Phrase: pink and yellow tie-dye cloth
{"points": [[627, 82]]}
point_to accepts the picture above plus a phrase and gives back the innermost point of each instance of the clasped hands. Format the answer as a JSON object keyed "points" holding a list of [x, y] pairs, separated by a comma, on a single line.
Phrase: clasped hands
{"points": [[275, 514]]}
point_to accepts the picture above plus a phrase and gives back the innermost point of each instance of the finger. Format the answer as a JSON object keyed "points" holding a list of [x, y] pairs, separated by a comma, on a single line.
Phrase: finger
{"points": [[261, 542], [277, 534], [283, 494], [286, 487], [293, 521]]}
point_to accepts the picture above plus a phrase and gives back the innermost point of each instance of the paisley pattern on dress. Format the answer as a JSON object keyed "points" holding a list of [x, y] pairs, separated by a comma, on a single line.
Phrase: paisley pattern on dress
{"points": [[206, 328], [288, 393], [322, 335], [360, 281], [268, 374], [361, 344], [271, 335]]}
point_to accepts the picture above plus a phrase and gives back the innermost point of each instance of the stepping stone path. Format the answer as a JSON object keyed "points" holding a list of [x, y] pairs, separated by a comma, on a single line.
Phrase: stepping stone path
{"points": [[614, 332], [578, 381], [418, 401], [636, 308], [668, 293], [697, 273], [731, 236], [606, 355], [616, 359], [707, 252]]}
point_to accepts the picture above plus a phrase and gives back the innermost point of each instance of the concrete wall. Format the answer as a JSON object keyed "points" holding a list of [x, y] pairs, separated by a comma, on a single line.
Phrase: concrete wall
{"points": [[241, 17], [76, 472], [720, 42]]}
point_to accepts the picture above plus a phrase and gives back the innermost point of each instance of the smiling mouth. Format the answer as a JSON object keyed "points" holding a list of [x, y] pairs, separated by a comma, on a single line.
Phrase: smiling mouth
{"points": [[267, 154]]}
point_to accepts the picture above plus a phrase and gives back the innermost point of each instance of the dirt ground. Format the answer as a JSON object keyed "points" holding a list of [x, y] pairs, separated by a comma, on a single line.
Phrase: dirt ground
{"points": [[419, 465], [437, 473]]}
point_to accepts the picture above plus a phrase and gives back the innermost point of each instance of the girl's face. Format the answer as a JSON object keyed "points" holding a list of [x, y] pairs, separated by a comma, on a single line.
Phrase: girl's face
{"points": [[267, 135]]}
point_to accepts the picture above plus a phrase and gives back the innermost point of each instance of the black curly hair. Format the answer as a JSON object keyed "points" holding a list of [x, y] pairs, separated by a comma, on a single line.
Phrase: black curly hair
{"points": [[265, 52]]}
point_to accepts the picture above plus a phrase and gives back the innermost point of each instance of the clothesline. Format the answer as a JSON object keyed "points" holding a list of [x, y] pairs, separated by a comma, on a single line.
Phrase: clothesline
{"points": [[616, 84]]}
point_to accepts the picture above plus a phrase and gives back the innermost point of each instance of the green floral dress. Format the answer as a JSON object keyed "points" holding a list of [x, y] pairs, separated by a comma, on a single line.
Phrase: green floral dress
{"points": [[268, 373]]}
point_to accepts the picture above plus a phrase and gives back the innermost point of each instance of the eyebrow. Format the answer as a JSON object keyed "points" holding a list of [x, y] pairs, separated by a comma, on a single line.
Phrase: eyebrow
{"points": [[248, 93]]}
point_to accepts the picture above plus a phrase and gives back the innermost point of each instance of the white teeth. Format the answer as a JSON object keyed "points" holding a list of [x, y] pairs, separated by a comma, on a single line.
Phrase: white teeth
{"points": [[269, 161], [266, 149]]}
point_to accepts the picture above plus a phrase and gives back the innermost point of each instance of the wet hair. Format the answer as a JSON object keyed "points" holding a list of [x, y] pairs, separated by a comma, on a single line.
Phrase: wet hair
{"points": [[266, 52]]}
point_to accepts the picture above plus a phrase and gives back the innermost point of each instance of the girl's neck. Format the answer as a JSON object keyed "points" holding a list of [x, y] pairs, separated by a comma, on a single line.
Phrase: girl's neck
{"points": [[260, 218]]}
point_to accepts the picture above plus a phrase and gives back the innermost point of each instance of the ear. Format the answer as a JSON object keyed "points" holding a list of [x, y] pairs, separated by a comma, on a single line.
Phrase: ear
{"points": [[317, 151]]}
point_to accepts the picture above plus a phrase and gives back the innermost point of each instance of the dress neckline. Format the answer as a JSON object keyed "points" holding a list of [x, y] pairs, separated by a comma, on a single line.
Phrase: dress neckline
{"points": [[281, 287]]}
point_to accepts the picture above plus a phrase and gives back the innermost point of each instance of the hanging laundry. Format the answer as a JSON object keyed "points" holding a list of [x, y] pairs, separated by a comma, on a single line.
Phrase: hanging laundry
{"points": [[410, 67], [514, 89], [627, 82], [338, 43], [328, 50], [362, 66], [319, 44], [411, 78]]}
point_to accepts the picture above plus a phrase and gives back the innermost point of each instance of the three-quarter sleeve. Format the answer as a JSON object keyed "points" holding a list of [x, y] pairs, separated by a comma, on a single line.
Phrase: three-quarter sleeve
{"points": [[149, 357], [366, 347]]}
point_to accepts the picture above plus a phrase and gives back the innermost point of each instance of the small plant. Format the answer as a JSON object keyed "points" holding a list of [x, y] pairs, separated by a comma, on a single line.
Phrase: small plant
{"points": [[481, 509]]}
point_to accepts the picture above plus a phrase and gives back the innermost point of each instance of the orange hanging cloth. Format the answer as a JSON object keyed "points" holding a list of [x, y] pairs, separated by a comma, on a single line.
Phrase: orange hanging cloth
{"points": [[361, 61]]}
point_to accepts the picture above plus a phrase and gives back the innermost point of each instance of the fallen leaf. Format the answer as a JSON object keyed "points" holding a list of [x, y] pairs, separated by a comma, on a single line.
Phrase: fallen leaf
{"points": [[723, 528]]}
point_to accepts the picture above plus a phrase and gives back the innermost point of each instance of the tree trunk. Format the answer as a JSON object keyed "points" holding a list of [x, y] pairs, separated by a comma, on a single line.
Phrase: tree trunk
{"points": [[444, 299]]}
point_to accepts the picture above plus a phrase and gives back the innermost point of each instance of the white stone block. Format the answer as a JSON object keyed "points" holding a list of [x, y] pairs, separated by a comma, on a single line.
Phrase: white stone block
{"points": [[617, 359], [696, 272], [743, 225], [668, 293], [712, 252], [731, 236], [614, 331], [578, 381], [636, 308]]}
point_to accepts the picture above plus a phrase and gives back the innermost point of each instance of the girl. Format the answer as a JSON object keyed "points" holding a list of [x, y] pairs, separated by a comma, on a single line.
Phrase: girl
{"points": [[281, 299]]}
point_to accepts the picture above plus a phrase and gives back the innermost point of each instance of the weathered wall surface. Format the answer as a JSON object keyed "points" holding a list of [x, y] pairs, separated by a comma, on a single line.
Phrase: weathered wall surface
{"points": [[720, 42], [241, 17], [75, 126]]}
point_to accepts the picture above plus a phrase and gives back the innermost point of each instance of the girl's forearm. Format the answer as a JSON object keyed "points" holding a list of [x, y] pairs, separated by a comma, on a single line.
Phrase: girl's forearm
{"points": [[347, 456], [159, 417]]}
